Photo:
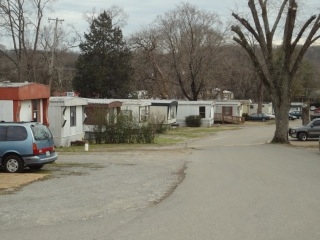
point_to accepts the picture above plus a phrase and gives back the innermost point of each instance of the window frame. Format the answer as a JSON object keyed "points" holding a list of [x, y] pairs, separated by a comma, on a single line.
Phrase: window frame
{"points": [[202, 111]]}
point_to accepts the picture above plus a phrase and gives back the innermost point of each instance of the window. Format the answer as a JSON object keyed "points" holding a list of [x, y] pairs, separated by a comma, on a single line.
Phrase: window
{"points": [[41, 132], [3, 133], [144, 113], [16, 133], [202, 111], [173, 111], [316, 123], [73, 116]]}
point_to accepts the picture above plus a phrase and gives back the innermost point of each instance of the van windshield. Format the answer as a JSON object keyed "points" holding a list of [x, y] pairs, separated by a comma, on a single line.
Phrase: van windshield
{"points": [[40, 132]]}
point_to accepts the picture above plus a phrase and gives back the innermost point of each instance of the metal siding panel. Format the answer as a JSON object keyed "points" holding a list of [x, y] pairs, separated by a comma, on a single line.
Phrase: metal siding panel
{"points": [[6, 110]]}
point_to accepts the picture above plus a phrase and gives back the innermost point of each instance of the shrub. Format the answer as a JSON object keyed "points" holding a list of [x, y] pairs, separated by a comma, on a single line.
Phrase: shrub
{"points": [[193, 121], [157, 123], [246, 116], [122, 129]]}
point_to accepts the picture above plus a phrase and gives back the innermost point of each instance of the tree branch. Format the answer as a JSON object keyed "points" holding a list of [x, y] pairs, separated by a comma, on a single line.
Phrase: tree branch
{"points": [[244, 43]]}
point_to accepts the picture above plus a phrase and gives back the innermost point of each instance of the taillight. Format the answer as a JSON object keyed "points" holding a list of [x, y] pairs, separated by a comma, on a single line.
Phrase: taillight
{"points": [[37, 151]]}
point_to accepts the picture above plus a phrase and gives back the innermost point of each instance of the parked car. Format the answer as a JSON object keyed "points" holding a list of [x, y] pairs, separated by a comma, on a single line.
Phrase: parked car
{"points": [[317, 110], [25, 144], [271, 116], [311, 130], [296, 113], [259, 117], [291, 117]]}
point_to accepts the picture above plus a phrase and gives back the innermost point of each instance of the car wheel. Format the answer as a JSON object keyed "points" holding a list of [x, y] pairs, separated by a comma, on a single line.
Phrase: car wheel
{"points": [[36, 167], [13, 164], [302, 136]]}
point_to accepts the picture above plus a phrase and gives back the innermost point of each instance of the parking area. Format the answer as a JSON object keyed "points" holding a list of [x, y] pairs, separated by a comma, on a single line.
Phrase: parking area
{"points": [[68, 164]]}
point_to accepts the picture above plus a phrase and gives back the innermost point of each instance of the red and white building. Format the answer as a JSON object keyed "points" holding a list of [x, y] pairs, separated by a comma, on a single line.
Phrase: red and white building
{"points": [[24, 101]]}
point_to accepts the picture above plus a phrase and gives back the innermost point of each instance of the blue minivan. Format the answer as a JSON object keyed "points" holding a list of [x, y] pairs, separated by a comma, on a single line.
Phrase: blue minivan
{"points": [[25, 144]]}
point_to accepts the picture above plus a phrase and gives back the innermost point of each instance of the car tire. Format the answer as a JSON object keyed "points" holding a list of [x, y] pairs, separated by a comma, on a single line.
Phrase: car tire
{"points": [[302, 136], [36, 167], [13, 164]]}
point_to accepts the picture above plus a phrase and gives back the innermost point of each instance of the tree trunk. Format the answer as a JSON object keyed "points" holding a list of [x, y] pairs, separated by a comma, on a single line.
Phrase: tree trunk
{"points": [[305, 114], [281, 104], [260, 97]]}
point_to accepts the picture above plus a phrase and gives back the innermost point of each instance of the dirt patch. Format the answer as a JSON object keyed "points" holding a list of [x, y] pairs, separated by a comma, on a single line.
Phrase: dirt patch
{"points": [[13, 181]]}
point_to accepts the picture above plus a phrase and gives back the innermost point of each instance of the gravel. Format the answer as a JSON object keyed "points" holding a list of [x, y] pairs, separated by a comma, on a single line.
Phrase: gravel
{"points": [[84, 186]]}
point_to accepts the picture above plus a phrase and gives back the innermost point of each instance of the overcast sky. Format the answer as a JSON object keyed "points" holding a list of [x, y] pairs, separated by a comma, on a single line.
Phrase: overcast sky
{"points": [[143, 12]]}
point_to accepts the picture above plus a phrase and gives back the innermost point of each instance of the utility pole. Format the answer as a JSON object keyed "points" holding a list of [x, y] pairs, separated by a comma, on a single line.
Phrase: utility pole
{"points": [[53, 48]]}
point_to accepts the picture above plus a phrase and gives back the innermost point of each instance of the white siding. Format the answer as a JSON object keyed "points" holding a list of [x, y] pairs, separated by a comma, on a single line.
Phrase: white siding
{"points": [[6, 110], [265, 108], [187, 108], [236, 107], [59, 118]]}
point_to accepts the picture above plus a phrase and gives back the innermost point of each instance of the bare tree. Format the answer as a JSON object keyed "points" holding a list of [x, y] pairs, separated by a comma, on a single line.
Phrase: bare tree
{"points": [[150, 63], [277, 71], [118, 15], [191, 39], [21, 22]]}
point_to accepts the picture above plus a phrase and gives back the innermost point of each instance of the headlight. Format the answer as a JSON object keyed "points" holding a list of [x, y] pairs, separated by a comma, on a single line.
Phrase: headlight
{"points": [[292, 131]]}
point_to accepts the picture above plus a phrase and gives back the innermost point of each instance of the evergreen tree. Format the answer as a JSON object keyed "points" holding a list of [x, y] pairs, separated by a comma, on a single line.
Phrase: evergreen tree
{"points": [[103, 67]]}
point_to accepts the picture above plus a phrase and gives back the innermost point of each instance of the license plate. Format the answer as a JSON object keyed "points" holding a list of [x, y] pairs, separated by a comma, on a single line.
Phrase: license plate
{"points": [[48, 153]]}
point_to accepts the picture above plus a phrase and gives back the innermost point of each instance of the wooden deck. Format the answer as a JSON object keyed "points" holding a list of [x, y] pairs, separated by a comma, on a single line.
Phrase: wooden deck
{"points": [[219, 117]]}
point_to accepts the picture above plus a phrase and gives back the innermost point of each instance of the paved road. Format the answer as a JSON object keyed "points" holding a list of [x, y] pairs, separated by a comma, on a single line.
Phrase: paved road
{"points": [[236, 187]]}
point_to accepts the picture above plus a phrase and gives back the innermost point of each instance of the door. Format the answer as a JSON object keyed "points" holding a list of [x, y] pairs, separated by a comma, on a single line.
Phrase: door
{"points": [[35, 110], [314, 131], [227, 111]]}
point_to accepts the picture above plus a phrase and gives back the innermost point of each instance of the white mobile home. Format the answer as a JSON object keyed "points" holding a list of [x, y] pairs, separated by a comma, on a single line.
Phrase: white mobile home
{"points": [[136, 108], [164, 110], [203, 108], [66, 119], [228, 111], [296, 106], [97, 110], [246, 106], [265, 108]]}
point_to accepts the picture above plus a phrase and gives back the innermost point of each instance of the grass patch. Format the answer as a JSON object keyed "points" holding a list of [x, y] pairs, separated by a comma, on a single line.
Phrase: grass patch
{"points": [[180, 134], [196, 132], [172, 136]]}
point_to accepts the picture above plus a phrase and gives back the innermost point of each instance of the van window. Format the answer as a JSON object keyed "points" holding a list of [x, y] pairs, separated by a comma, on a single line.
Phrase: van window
{"points": [[16, 133], [3, 133], [40, 132]]}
